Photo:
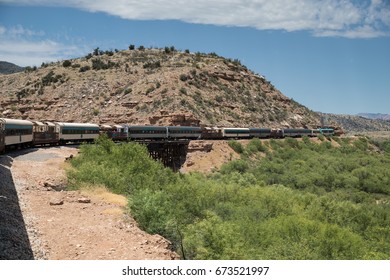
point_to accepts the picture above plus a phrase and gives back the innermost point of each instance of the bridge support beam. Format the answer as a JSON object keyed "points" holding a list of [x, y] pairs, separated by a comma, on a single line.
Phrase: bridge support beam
{"points": [[171, 153]]}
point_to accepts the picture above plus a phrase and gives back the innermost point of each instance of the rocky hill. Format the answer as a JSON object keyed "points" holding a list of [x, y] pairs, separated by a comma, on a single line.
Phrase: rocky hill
{"points": [[9, 68], [351, 123], [150, 86], [375, 116]]}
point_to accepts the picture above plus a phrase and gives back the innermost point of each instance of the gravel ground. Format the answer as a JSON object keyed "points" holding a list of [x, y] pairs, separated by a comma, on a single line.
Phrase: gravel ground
{"points": [[37, 157]]}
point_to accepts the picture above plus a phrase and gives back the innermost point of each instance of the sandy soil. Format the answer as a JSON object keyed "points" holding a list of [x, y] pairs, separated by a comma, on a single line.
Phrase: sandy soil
{"points": [[73, 224]]}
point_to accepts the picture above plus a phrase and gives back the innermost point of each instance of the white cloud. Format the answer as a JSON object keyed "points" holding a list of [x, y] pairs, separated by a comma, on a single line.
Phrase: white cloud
{"points": [[360, 32], [26, 47], [20, 31], [29, 53], [348, 18]]}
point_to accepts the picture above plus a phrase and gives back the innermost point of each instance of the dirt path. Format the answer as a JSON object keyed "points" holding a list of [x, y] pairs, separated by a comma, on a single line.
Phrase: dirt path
{"points": [[72, 224]]}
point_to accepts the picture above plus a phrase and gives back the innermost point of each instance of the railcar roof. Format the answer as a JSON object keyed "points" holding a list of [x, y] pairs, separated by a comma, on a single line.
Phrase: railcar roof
{"points": [[147, 126], [50, 124], [17, 122], [77, 124], [105, 126], [243, 128], [185, 127], [38, 123]]}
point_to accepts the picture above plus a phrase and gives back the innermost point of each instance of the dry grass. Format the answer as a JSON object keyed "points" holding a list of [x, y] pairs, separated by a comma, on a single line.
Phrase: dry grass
{"points": [[103, 194], [113, 211]]}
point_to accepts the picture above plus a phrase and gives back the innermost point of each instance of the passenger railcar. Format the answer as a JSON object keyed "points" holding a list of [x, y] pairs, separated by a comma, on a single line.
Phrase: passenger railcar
{"points": [[77, 132], [184, 132], [260, 132], [45, 133], [296, 132], [326, 131], [16, 133], [147, 132], [238, 132]]}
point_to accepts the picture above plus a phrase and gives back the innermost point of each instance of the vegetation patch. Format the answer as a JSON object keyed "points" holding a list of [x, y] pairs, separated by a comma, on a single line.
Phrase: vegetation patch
{"points": [[299, 200]]}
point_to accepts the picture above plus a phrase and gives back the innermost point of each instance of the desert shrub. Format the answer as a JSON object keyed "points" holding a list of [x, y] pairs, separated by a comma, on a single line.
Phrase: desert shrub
{"points": [[236, 146], [66, 63], [183, 77], [84, 68], [183, 90], [212, 238], [255, 146], [307, 239], [98, 64], [123, 169], [240, 166], [385, 146], [51, 78], [152, 65], [361, 143]]}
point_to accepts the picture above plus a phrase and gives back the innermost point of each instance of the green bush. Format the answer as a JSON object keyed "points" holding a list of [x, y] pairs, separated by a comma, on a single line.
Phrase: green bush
{"points": [[123, 169], [254, 146], [183, 77], [66, 63], [85, 68], [240, 166], [98, 64], [236, 146], [385, 146]]}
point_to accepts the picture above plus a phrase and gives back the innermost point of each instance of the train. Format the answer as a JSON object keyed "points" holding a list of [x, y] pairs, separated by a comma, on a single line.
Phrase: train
{"points": [[248, 133], [24, 133]]}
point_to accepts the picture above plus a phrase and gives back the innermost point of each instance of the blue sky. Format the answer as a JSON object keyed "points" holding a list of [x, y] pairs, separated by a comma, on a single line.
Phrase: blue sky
{"points": [[331, 55]]}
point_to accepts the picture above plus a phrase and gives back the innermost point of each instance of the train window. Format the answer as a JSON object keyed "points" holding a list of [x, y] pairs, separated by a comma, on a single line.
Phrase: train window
{"points": [[13, 132], [78, 131]]}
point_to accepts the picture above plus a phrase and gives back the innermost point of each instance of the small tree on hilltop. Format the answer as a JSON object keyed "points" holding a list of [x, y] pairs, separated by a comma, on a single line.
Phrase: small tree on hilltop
{"points": [[66, 63]]}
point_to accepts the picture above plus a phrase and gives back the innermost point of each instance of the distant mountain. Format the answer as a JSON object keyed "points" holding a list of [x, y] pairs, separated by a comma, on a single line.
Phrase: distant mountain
{"points": [[373, 116], [351, 123], [9, 68]]}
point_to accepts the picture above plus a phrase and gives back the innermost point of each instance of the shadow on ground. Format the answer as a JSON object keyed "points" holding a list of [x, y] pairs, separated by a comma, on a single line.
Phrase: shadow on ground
{"points": [[14, 241]]}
